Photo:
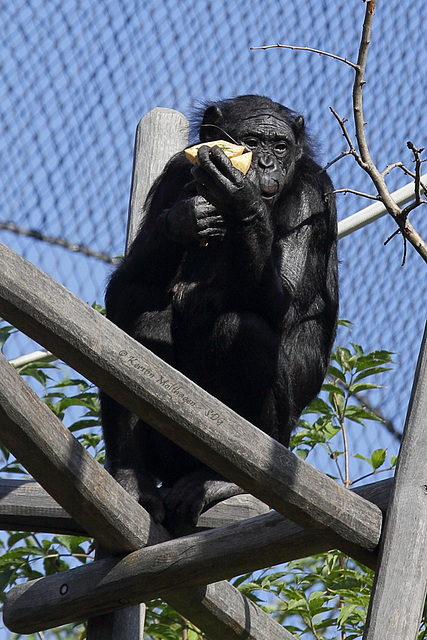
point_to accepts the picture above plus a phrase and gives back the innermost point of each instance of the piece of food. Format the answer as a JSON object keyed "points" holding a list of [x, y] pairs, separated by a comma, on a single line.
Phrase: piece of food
{"points": [[239, 156]]}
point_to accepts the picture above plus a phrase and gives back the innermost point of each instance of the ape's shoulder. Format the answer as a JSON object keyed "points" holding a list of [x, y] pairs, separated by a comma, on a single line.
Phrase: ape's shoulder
{"points": [[313, 174], [168, 186]]}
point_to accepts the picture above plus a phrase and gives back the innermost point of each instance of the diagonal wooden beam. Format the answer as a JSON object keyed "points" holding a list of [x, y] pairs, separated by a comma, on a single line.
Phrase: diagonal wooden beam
{"points": [[32, 301], [69, 473], [107, 584]]}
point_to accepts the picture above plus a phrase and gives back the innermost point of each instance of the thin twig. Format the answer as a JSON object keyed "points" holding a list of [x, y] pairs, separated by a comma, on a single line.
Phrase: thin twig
{"points": [[404, 244], [356, 193], [351, 148], [318, 51], [418, 161], [347, 482], [399, 165], [342, 155], [395, 233]]}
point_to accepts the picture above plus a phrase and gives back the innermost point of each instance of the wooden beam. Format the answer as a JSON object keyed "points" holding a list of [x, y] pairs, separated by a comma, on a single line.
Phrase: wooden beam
{"points": [[26, 506], [106, 585], [400, 586], [52, 455], [46, 311], [240, 617]]}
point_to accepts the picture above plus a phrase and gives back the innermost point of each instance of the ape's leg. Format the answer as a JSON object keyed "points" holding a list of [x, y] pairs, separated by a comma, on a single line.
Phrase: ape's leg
{"points": [[126, 456], [237, 363]]}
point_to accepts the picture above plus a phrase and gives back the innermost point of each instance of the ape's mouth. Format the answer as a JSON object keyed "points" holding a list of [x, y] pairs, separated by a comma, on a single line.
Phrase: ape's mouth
{"points": [[267, 197], [269, 194], [269, 188]]}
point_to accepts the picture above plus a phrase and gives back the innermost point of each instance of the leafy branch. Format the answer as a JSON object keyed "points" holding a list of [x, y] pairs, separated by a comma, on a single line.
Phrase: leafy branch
{"points": [[347, 377]]}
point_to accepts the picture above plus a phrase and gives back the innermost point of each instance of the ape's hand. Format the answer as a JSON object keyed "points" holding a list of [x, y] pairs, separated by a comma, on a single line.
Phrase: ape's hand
{"points": [[192, 219], [225, 187]]}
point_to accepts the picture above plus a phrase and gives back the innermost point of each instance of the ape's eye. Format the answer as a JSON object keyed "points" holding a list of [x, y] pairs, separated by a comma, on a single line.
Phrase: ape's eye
{"points": [[281, 147], [250, 143]]}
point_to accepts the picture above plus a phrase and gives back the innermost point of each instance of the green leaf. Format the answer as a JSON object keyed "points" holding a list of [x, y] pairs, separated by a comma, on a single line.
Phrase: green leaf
{"points": [[302, 453], [357, 350], [331, 430], [360, 457], [363, 386], [393, 460], [370, 371], [336, 373], [346, 612], [318, 406], [358, 414], [5, 333], [378, 458], [5, 578], [337, 402], [344, 357], [333, 388], [373, 359]]}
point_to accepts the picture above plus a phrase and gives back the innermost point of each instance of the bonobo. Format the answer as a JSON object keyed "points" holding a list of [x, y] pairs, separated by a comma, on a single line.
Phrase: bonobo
{"points": [[232, 280]]}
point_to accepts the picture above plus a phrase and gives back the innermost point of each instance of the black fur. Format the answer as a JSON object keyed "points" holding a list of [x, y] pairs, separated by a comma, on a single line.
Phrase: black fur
{"points": [[250, 316]]}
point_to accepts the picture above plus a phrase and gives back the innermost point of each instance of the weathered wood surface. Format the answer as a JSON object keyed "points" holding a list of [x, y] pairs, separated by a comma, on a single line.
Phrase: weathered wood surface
{"points": [[160, 134], [262, 541], [53, 456], [148, 573], [181, 410], [400, 586], [126, 624], [26, 506], [240, 617]]}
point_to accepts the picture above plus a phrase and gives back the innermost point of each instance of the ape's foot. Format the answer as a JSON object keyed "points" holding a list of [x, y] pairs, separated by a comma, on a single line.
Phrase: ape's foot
{"points": [[192, 495]]}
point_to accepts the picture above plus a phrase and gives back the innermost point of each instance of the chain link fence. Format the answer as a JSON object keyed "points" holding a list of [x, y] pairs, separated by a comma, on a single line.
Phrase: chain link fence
{"points": [[76, 77]]}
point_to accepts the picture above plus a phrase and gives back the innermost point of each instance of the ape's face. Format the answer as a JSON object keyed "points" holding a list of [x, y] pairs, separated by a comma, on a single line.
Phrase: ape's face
{"points": [[275, 152]]}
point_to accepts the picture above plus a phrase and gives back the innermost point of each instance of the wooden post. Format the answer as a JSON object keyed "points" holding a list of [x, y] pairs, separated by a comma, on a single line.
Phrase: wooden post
{"points": [[399, 590], [159, 135]]}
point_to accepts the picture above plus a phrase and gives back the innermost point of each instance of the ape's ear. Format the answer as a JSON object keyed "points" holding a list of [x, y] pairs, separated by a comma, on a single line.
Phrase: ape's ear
{"points": [[212, 116], [299, 128]]}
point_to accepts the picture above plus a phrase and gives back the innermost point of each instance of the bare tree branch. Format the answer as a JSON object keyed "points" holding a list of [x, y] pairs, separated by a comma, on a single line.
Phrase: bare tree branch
{"points": [[342, 155], [362, 154], [356, 193], [318, 51], [401, 218]]}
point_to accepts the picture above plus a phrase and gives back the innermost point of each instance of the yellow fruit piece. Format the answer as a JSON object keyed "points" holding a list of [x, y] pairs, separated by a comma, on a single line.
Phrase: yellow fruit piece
{"points": [[242, 162], [240, 158]]}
